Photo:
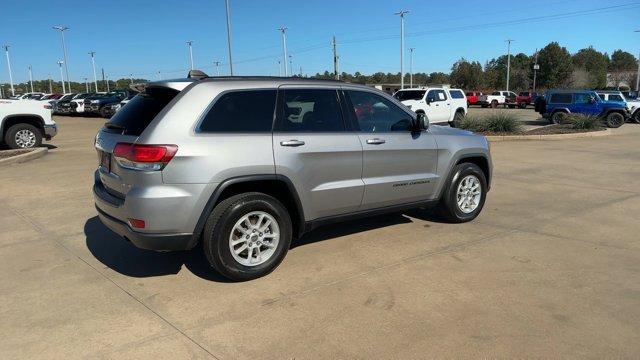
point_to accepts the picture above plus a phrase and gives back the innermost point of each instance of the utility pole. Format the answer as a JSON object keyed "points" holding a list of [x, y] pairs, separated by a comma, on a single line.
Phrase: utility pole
{"points": [[103, 78], [64, 88], [217, 64], [291, 65], [411, 67], [50, 85], [31, 78], [62, 29], [336, 72], [279, 67], [508, 60], [638, 73], [190, 43], [226, 4], [402, 14], [6, 50], [93, 65], [159, 75], [107, 83], [86, 84], [284, 49], [535, 70]]}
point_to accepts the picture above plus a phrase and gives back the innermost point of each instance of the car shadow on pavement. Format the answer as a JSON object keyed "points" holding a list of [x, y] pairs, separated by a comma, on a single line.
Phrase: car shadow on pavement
{"points": [[123, 257]]}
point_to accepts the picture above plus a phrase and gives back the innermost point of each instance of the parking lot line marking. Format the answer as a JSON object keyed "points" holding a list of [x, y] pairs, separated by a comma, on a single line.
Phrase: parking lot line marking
{"points": [[50, 235]]}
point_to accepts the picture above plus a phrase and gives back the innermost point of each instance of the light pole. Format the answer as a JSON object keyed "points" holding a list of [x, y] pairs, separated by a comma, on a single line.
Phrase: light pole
{"points": [[284, 49], [291, 65], [6, 50], [217, 64], [62, 29], [64, 88], [226, 4], [508, 60], [411, 67], [86, 84], [402, 14], [107, 78], [131, 78], [50, 85], [190, 43], [279, 67], [159, 75], [535, 70], [30, 78], [93, 65], [638, 73]]}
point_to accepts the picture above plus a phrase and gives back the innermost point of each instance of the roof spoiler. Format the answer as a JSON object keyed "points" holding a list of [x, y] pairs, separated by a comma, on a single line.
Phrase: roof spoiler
{"points": [[197, 74]]}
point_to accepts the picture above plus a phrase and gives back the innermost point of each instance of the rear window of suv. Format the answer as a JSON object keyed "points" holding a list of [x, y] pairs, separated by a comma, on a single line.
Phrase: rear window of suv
{"points": [[140, 111], [456, 94], [246, 111]]}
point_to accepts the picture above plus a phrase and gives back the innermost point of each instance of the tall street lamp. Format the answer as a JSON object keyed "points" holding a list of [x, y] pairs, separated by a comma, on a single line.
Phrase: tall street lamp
{"points": [[6, 50], [638, 73], [402, 14], [284, 49], [411, 67], [93, 65], [62, 29], [226, 4], [508, 60], [30, 78], [190, 44]]}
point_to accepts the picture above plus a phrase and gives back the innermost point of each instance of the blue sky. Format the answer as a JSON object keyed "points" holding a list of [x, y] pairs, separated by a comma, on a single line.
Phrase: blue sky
{"points": [[144, 36]]}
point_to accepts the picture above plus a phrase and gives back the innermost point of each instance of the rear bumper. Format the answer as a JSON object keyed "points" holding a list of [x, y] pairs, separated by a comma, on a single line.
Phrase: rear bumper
{"points": [[112, 210]]}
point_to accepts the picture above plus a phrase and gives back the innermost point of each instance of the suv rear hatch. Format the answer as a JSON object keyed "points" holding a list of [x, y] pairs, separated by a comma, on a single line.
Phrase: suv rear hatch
{"points": [[132, 163]]}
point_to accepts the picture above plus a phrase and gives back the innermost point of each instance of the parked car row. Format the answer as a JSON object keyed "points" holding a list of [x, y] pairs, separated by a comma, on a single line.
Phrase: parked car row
{"points": [[102, 104]]}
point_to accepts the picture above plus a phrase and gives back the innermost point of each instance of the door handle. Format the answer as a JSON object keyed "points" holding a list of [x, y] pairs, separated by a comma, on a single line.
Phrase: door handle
{"points": [[375, 141], [292, 143]]}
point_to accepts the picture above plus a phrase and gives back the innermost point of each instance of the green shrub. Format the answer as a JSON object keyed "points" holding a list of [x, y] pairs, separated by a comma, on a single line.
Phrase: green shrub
{"points": [[582, 121], [497, 123]]}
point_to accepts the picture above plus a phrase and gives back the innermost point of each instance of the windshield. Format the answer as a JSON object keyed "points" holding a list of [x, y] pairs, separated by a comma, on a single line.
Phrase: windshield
{"points": [[409, 95]]}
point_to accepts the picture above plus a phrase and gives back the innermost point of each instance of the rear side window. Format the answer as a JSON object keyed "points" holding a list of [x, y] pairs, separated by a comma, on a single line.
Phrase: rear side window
{"points": [[311, 110], [615, 97], [560, 98], [456, 94], [436, 95], [140, 111], [241, 111]]}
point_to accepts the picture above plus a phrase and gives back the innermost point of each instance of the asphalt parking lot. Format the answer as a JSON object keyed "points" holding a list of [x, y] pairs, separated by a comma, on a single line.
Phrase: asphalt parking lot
{"points": [[551, 268]]}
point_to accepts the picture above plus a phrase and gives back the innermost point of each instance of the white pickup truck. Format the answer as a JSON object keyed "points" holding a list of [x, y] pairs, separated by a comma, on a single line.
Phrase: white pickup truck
{"points": [[439, 104], [24, 123]]}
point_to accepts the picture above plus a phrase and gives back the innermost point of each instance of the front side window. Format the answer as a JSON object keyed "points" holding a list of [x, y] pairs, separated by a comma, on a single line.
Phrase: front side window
{"points": [[560, 98], [583, 98], [456, 94], [240, 111], [376, 114], [436, 95], [311, 110], [496, 93]]}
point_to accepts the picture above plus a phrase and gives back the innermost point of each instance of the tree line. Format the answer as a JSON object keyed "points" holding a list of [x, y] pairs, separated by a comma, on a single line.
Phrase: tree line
{"points": [[558, 68]]}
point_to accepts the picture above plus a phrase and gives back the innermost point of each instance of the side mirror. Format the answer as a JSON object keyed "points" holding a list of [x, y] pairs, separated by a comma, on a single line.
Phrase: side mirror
{"points": [[423, 121]]}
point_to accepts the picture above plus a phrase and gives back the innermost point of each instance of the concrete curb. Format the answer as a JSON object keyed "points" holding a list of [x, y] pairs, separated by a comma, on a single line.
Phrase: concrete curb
{"points": [[496, 138], [34, 154]]}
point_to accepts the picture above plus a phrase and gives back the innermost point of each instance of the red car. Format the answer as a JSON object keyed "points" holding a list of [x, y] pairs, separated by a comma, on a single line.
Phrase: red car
{"points": [[472, 97], [525, 98]]}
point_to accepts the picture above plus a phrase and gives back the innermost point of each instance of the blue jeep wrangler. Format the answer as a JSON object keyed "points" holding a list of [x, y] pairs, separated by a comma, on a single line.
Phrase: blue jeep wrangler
{"points": [[556, 104]]}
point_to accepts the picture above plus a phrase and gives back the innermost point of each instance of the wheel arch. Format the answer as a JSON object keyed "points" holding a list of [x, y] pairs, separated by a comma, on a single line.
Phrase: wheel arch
{"points": [[32, 119], [278, 186]]}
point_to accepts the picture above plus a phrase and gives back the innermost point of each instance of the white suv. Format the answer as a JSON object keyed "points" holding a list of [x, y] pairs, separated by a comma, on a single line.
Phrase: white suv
{"points": [[439, 104], [633, 105]]}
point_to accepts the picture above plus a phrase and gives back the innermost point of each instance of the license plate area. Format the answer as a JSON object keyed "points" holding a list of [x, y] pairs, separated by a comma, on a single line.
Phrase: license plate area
{"points": [[105, 161]]}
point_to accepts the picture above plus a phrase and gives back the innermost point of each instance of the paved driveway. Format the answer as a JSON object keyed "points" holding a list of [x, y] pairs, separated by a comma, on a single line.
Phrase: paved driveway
{"points": [[550, 269]]}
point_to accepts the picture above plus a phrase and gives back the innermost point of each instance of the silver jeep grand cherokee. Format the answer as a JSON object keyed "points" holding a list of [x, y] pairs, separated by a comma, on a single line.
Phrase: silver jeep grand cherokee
{"points": [[246, 164]]}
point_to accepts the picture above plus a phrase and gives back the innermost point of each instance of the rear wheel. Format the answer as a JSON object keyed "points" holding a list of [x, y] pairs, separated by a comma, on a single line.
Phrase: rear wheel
{"points": [[23, 136], [522, 105], [558, 117], [615, 120], [465, 194], [494, 104], [247, 236], [103, 112], [636, 116], [457, 119]]}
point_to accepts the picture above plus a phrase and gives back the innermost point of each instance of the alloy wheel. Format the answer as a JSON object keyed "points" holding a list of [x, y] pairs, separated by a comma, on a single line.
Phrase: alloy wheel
{"points": [[254, 238], [468, 194]]}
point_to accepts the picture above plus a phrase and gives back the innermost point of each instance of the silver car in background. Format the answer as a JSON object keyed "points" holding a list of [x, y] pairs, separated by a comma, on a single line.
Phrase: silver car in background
{"points": [[246, 164]]}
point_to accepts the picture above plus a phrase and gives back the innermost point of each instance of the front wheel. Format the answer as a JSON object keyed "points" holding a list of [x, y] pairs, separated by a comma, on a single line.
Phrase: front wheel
{"points": [[465, 194], [494, 104], [522, 105], [558, 117], [247, 236], [615, 120], [636, 116], [23, 136]]}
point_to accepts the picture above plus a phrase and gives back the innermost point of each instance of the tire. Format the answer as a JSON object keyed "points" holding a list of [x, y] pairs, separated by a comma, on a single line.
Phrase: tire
{"points": [[457, 118], [494, 104], [636, 116], [558, 117], [614, 120], [449, 205], [483, 106], [522, 105], [23, 136], [103, 113], [219, 232], [512, 106]]}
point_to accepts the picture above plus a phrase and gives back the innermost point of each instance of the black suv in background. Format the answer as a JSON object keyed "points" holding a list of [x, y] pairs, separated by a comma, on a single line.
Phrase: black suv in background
{"points": [[98, 104], [63, 105]]}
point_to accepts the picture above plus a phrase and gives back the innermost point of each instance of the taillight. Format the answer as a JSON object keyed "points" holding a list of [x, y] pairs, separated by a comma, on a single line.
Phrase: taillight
{"points": [[144, 157]]}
